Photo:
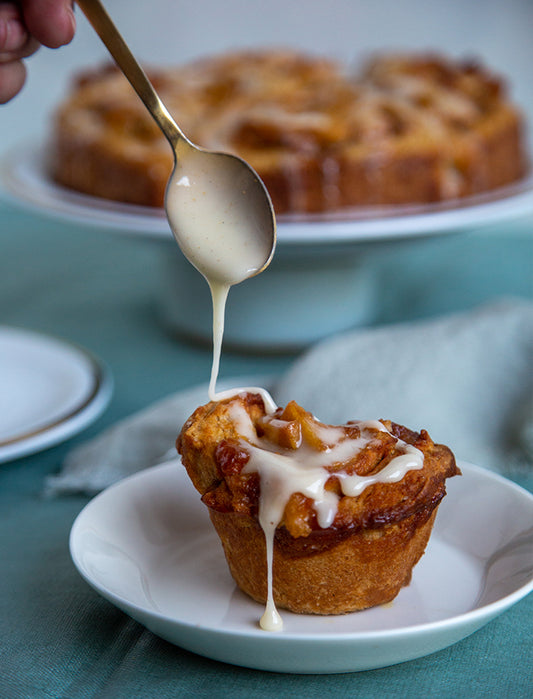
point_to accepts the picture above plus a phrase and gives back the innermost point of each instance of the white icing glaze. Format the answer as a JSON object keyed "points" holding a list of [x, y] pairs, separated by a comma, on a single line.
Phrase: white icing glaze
{"points": [[209, 213], [211, 224], [219, 295], [268, 401], [283, 472], [216, 235], [220, 243], [271, 619]]}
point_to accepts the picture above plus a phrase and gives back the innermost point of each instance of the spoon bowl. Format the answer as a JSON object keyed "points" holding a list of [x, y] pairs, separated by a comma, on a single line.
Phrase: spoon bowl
{"points": [[217, 206], [220, 215]]}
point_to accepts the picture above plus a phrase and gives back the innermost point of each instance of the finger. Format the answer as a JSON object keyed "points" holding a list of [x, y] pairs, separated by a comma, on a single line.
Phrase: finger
{"points": [[12, 78], [51, 22], [29, 48], [13, 33], [15, 40]]}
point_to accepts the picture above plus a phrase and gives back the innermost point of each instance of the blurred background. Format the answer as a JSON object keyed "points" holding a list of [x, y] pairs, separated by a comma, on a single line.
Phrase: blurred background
{"points": [[170, 31], [413, 280]]}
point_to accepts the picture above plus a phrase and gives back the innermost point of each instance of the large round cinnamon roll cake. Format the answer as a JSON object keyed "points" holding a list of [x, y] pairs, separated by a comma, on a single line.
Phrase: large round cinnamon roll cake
{"points": [[407, 129]]}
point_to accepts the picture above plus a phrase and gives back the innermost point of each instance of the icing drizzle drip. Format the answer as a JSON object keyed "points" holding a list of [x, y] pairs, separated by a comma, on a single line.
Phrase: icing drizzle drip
{"points": [[283, 472], [226, 250]]}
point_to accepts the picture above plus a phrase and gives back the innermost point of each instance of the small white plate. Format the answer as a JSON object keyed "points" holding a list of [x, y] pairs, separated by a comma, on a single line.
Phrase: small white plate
{"points": [[50, 390], [146, 544], [24, 177]]}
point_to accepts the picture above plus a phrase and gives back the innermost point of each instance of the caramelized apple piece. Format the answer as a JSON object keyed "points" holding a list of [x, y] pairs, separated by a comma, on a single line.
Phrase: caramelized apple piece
{"points": [[286, 433], [308, 425]]}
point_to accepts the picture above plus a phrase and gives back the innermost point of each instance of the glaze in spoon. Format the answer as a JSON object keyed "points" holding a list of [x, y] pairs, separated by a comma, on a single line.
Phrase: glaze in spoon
{"points": [[218, 208]]}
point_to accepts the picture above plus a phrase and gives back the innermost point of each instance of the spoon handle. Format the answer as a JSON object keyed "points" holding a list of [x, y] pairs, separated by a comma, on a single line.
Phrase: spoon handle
{"points": [[117, 47]]}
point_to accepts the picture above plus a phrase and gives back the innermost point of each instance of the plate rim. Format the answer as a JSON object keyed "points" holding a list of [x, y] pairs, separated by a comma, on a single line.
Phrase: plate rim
{"points": [[81, 415], [486, 611], [373, 225]]}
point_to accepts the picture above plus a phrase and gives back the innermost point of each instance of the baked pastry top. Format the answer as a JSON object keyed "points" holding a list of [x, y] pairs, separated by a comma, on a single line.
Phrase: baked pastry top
{"points": [[407, 129], [215, 454]]}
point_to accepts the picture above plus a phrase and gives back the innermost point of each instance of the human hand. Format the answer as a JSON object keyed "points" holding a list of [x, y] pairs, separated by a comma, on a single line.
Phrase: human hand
{"points": [[24, 26]]}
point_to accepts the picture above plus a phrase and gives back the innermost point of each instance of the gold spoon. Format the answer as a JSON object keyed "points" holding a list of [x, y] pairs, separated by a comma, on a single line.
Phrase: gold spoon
{"points": [[218, 208]]}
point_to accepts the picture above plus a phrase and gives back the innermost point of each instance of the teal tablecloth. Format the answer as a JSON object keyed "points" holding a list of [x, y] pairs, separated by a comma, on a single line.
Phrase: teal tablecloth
{"points": [[58, 638]]}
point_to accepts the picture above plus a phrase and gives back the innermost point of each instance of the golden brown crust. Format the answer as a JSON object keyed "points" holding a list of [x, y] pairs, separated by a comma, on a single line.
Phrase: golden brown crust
{"points": [[365, 556], [206, 428], [366, 569], [409, 129]]}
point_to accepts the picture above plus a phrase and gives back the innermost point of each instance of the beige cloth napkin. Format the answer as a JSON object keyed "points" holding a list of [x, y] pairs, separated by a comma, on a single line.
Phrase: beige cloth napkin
{"points": [[467, 378], [137, 442]]}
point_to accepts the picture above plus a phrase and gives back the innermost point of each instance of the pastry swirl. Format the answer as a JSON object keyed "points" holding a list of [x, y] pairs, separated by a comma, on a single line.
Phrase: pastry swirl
{"points": [[408, 129]]}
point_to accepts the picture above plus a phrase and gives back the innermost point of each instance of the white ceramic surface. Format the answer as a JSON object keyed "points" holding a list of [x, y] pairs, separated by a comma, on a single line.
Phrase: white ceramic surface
{"points": [[50, 390], [146, 544], [24, 178]]}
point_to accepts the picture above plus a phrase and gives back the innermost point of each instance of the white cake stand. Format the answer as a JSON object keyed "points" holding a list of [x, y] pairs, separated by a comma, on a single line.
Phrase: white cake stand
{"points": [[322, 279]]}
